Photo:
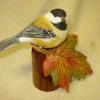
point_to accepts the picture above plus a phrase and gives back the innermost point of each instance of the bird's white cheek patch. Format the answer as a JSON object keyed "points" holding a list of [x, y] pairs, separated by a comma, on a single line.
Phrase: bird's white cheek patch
{"points": [[57, 19], [25, 39], [52, 18]]}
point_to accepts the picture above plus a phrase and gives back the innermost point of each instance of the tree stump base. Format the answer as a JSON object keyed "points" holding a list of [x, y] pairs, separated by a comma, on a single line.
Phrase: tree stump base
{"points": [[40, 82]]}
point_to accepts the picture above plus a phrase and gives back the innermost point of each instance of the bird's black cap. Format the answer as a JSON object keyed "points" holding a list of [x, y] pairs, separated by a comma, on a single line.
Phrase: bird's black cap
{"points": [[58, 12]]}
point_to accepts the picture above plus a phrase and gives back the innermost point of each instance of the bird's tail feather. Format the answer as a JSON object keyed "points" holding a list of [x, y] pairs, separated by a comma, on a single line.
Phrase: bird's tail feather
{"points": [[7, 42]]}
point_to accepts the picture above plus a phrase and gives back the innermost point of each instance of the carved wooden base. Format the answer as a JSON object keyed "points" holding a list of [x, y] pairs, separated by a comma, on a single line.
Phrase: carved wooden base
{"points": [[40, 82]]}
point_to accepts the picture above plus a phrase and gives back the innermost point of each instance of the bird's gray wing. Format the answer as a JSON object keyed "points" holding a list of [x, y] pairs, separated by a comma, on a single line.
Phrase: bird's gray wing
{"points": [[35, 32], [31, 32]]}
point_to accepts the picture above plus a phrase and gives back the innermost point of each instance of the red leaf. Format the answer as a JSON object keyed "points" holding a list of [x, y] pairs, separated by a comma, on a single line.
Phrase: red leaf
{"points": [[48, 63], [64, 83]]}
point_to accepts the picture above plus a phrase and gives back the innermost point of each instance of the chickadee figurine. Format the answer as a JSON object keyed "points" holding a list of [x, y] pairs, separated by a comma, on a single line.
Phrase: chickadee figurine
{"points": [[47, 31]]}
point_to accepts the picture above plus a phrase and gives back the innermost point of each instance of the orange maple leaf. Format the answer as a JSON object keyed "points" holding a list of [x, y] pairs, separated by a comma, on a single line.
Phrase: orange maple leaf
{"points": [[65, 62]]}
